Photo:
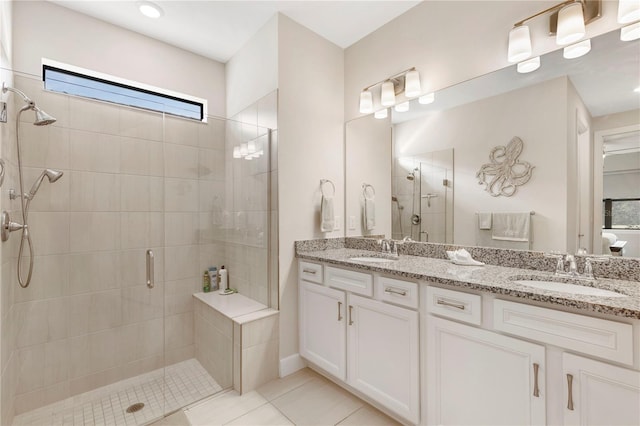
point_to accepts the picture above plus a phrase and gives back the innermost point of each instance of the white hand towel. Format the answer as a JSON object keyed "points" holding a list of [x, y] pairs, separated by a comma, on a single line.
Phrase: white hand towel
{"points": [[327, 217], [484, 220], [511, 226], [369, 214]]}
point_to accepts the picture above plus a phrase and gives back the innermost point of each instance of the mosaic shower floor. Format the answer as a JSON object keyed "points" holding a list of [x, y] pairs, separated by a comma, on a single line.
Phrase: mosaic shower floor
{"points": [[181, 384]]}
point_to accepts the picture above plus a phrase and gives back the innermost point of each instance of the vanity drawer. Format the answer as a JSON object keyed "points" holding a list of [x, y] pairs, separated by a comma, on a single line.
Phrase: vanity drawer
{"points": [[457, 305], [344, 279], [594, 336], [399, 292], [310, 272]]}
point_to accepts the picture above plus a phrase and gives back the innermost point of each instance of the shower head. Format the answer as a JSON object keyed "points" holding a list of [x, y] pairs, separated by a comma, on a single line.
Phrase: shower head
{"points": [[51, 174], [42, 118], [411, 176]]}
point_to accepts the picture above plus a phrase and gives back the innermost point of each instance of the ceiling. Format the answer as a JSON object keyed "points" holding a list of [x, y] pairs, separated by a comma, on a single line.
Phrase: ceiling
{"points": [[218, 29]]}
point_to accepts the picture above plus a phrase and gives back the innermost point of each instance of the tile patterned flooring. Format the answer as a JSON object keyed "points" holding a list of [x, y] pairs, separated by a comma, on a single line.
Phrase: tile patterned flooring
{"points": [[182, 384], [303, 398]]}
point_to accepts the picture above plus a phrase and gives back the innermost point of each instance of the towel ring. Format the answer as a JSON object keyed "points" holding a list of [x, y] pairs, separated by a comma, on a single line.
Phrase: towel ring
{"points": [[366, 186], [322, 182]]}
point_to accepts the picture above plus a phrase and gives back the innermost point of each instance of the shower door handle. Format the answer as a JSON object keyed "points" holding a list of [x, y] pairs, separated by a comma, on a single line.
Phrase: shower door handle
{"points": [[150, 268]]}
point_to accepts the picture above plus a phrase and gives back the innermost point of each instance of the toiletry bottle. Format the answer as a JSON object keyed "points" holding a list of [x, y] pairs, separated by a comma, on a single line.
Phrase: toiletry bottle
{"points": [[213, 278], [224, 279], [206, 282]]}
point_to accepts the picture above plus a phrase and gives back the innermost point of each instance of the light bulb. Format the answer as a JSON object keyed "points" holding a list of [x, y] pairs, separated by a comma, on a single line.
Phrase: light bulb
{"points": [[380, 114], [570, 24], [519, 44], [402, 107], [630, 32], [427, 99], [529, 65], [577, 50], [628, 11], [412, 84], [366, 102], [388, 95]]}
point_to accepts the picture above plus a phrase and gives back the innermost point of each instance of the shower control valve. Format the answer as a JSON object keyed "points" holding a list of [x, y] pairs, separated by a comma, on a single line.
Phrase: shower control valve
{"points": [[8, 226]]}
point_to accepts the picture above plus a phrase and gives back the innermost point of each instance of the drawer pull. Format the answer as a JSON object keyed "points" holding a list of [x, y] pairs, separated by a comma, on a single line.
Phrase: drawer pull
{"points": [[391, 290], [451, 304], [309, 271], [339, 311], [536, 390], [350, 315], [570, 388]]}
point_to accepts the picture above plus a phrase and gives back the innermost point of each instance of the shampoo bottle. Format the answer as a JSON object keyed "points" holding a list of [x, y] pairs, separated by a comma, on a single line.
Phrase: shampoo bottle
{"points": [[206, 282]]}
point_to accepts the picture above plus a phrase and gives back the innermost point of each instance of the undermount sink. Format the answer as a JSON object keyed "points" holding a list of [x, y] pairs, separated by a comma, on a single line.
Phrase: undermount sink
{"points": [[373, 259], [563, 287]]}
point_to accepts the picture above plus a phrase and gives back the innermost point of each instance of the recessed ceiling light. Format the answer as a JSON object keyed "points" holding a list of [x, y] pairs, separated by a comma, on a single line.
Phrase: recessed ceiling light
{"points": [[150, 10]]}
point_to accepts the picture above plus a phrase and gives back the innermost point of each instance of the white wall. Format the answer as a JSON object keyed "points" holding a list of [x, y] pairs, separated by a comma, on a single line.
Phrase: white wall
{"points": [[450, 42], [310, 148], [46, 30], [252, 73], [472, 130]]}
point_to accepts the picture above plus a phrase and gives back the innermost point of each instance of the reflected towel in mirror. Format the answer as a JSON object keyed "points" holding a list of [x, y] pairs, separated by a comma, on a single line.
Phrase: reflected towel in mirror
{"points": [[511, 226], [369, 214], [484, 220]]}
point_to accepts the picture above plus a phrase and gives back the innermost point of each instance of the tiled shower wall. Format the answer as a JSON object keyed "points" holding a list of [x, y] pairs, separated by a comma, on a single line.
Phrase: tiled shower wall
{"points": [[133, 180]]}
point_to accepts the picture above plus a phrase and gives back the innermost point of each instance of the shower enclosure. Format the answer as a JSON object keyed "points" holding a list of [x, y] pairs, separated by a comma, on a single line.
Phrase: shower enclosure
{"points": [[422, 200], [89, 340]]}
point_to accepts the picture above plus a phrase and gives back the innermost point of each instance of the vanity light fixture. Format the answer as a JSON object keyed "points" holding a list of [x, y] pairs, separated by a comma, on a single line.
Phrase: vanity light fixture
{"points": [[630, 32], [567, 22], [150, 10], [380, 114], [244, 150], [628, 11], [529, 65], [576, 50], [427, 98], [407, 81], [236, 152], [402, 107]]}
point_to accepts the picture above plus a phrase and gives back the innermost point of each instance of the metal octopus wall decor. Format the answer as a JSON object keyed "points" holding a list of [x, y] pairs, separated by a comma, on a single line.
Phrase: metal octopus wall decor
{"points": [[505, 172]]}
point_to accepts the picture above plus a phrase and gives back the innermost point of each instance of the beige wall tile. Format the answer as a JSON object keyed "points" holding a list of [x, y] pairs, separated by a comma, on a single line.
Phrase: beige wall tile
{"points": [[178, 296], [140, 124], [181, 131], [93, 116], [44, 146], [179, 330], [181, 195], [50, 196], [94, 231], [183, 263], [140, 303], [95, 152], [89, 191], [259, 364], [93, 272], [134, 193], [49, 232], [181, 161], [260, 331], [181, 228]]}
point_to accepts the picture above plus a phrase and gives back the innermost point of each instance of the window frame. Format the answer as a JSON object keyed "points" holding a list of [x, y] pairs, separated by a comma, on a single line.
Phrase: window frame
{"points": [[54, 66]]}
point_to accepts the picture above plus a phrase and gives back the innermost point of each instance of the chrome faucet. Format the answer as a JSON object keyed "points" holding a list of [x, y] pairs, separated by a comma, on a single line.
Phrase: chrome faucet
{"points": [[572, 271], [573, 268], [388, 247]]}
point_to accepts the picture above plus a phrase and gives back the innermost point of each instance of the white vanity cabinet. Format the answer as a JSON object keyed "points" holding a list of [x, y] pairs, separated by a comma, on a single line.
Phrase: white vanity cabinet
{"points": [[478, 377], [322, 327], [597, 393], [370, 345]]}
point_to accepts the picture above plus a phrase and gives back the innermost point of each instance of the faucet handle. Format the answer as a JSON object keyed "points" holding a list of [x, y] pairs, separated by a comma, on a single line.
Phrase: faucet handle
{"points": [[559, 261]]}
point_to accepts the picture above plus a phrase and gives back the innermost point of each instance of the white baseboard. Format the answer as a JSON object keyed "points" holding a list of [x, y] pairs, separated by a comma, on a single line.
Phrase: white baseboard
{"points": [[291, 364]]}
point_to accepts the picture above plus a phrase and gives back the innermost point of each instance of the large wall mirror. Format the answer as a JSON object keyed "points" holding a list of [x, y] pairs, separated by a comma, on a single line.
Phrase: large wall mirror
{"points": [[579, 123]]}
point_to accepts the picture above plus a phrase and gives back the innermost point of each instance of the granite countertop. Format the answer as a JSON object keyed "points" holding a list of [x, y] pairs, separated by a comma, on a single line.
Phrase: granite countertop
{"points": [[490, 278]]}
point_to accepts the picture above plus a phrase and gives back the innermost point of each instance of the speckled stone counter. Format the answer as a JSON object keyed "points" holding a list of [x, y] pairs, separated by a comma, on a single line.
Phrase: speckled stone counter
{"points": [[487, 278]]}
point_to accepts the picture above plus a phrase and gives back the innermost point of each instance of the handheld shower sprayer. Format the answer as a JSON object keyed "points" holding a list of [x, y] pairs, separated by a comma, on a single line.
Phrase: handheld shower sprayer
{"points": [[6, 226], [51, 174]]}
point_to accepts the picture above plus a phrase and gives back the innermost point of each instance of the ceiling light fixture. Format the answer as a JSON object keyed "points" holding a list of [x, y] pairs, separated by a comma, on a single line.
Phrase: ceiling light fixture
{"points": [[576, 50], [529, 65], [567, 21], [407, 81], [150, 10]]}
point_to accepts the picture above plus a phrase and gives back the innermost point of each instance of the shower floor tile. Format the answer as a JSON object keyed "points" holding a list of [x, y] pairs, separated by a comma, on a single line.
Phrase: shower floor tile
{"points": [[181, 384]]}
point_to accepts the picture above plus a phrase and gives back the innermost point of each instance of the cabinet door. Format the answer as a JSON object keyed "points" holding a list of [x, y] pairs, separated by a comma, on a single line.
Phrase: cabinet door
{"points": [[478, 377], [601, 394], [322, 327], [384, 354]]}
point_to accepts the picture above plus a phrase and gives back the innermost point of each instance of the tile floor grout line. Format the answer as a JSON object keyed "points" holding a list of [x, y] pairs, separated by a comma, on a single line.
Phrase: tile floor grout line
{"points": [[247, 412]]}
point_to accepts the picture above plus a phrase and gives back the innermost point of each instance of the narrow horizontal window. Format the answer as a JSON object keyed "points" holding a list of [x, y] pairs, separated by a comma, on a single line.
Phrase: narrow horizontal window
{"points": [[74, 83], [621, 213]]}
